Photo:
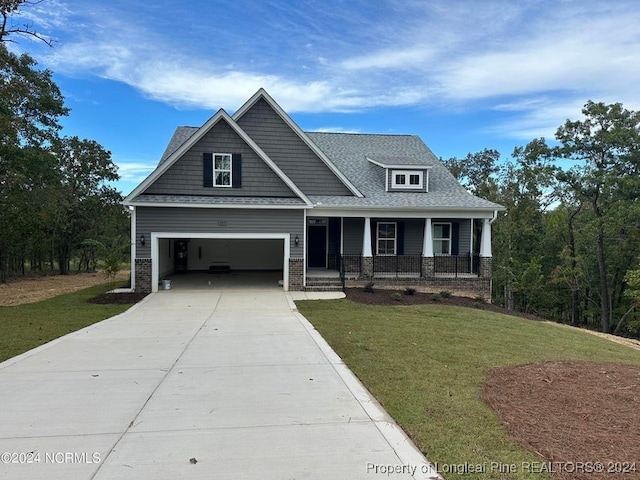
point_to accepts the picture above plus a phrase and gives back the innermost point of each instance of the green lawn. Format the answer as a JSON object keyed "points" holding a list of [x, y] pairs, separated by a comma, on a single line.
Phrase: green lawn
{"points": [[425, 364], [25, 327]]}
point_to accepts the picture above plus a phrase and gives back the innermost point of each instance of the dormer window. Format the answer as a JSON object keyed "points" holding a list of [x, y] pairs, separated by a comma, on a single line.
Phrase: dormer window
{"points": [[407, 179]]}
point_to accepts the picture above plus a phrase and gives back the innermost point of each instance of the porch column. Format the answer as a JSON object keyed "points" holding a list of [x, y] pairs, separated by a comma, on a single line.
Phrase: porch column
{"points": [[366, 242], [427, 247], [485, 239], [367, 256], [428, 262]]}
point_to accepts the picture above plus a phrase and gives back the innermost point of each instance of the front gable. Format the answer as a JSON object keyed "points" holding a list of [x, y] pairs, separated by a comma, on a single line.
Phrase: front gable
{"points": [[297, 156], [193, 172], [198, 167]]}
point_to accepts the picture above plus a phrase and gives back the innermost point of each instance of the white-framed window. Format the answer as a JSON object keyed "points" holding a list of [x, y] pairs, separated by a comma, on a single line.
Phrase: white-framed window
{"points": [[407, 179], [442, 238], [386, 238], [222, 170]]}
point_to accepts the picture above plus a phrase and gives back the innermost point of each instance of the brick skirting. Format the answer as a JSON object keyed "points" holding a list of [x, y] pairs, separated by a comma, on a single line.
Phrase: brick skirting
{"points": [[296, 274], [143, 275]]}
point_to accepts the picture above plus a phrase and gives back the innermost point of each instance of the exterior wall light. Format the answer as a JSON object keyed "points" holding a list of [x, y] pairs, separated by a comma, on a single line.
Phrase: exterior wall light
{"points": [[142, 240]]}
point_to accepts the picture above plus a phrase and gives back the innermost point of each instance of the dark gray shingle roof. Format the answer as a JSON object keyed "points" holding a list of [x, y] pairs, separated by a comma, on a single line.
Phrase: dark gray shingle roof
{"points": [[349, 153], [180, 136]]}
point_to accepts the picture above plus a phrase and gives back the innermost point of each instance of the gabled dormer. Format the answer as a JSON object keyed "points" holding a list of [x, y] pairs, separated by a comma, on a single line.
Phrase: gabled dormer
{"points": [[403, 174]]}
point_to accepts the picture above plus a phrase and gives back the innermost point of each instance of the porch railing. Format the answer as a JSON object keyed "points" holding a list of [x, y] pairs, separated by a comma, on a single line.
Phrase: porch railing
{"points": [[397, 265], [456, 264], [350, 265], [409, 265]]}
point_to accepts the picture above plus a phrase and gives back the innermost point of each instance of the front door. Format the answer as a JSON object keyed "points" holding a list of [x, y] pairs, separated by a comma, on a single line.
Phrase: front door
{"points": [[317, 246]]}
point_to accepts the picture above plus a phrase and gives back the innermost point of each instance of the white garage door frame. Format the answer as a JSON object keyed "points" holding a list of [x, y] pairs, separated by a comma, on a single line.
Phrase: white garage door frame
{"points": [[155, 248]]}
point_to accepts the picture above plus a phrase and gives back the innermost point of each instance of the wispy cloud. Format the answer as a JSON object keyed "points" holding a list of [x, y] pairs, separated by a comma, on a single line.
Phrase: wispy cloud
{"points": [[134, 171], [496, 54]]}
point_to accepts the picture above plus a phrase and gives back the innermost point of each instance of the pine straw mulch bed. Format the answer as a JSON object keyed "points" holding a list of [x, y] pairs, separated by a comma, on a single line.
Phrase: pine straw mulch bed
{"points": [[118, 298], [386, 297], [572, 413]]}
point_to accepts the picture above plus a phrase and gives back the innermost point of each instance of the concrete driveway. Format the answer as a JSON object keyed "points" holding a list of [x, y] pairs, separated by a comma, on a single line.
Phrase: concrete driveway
{"points": [[198, 385]]}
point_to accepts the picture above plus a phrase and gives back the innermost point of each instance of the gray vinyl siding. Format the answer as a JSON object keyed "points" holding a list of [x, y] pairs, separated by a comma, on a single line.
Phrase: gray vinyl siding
{"points": [[413, 234], [353, 235], [209, 220], [289, 152], [185, 177], [464, 239]]}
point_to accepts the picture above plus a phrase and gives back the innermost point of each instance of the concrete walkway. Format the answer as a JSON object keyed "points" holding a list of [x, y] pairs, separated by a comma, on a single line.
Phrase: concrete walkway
{"points": [[198, 385]]}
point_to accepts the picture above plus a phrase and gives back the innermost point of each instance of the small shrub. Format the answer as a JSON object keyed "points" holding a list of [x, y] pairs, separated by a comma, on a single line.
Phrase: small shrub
{"points": [[397, 296], [369, 287], [445, 294], [479, 299], [409, 291]]}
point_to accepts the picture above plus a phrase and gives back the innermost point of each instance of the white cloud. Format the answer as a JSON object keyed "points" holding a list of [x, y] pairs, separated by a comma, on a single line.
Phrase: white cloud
{"points": [[134, 171], [507, 55]]}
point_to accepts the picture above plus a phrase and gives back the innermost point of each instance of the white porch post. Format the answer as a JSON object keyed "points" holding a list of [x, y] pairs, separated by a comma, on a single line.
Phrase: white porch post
{"points": [[366, 242], [427, 246], [485, 239]]}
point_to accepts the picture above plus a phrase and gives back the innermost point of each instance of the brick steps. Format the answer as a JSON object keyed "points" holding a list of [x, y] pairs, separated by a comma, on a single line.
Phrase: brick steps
{"points": [[323, 285]]}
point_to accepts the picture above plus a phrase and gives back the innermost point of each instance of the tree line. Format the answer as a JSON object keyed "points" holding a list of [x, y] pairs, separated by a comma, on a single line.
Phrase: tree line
{"points": [[55, 204], [568, 245]]}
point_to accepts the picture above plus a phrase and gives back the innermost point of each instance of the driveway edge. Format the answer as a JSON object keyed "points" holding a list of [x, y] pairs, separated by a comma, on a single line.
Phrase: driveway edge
{"points": [[406, 451]]}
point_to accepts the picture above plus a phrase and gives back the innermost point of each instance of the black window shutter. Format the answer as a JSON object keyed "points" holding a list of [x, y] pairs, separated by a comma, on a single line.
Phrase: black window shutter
{"points": [[236, 170], [455, 238], [207, 169], [400, 238]]}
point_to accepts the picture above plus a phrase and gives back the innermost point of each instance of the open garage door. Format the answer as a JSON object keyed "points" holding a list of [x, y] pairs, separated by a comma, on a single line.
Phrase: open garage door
{"points": [[201, 252]]}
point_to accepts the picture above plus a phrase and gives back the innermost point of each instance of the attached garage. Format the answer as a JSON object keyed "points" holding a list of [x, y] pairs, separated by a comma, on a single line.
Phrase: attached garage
{"points": [[172, 252], [180, 239]]}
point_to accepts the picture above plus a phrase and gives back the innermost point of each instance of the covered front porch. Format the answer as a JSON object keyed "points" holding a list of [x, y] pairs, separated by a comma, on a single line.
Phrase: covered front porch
{"points": [[379, 248]]}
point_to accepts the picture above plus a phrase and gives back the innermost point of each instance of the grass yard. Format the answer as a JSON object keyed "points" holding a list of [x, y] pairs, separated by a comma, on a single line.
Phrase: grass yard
{"points": [[426, 364], [24, 327]]}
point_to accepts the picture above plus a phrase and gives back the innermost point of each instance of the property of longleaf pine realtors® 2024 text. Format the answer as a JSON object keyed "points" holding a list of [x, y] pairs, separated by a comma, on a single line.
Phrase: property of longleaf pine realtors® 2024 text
{"points": [[497, 467]]}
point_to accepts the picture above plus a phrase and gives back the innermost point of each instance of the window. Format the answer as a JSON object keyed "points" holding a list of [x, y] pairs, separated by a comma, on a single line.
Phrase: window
{"points": [[442, 238], [386, 238], [410, 179], [222, 170]]}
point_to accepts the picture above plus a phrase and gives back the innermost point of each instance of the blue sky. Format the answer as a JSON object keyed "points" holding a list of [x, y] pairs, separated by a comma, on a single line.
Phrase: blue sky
{"points": [[464, 75]]}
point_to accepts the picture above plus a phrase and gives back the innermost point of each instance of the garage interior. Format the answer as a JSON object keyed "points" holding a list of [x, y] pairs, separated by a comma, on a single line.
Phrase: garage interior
{"points": [[221, 262]]}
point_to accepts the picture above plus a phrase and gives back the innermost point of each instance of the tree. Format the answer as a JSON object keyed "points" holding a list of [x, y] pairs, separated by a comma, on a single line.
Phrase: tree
{"points": [[52, 190], [632, 279], [84, 166], [606, 145], [477, 172], [8, 27]]}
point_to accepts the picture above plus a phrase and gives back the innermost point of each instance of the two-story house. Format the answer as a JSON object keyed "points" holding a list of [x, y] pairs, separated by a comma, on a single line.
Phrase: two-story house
{"points": [[252, 191]]}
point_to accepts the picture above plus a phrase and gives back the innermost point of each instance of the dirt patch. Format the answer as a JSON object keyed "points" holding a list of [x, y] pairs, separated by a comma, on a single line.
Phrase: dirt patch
{"points": [[30, 290], [572, 414]]}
